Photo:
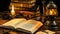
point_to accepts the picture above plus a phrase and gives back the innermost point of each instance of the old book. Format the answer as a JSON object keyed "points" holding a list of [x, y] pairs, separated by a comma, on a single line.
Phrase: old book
{"points": [[28, 26], [22, 4], [21, 9], [26, 5], [24, 1]]}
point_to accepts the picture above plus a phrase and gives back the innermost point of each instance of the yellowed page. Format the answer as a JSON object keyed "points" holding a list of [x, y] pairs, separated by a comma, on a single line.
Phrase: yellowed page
{"points": [[14, 22]]}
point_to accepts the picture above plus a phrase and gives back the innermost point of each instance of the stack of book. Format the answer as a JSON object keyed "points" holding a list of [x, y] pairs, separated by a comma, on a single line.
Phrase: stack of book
{"points": [[22, 4]]}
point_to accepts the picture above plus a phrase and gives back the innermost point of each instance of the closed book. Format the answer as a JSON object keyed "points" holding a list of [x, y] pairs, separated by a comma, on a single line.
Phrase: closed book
{"points": [[24, 1], [26, 5]]}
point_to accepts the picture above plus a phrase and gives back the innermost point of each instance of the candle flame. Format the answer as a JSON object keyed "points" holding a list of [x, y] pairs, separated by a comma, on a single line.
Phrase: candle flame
{"points": [[51, 13], [12, 7]]}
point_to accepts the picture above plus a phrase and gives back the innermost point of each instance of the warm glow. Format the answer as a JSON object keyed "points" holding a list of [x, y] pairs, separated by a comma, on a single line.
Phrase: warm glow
{"points": [[12, 11], [51, 12], [21, 5]]}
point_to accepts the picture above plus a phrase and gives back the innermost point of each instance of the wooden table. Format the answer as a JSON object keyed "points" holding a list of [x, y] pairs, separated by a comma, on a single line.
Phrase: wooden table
{"points": [[41, 29]]}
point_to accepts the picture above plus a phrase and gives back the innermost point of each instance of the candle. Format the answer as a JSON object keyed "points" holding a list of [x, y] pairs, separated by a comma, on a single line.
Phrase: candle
{"points": [[12, 11]]}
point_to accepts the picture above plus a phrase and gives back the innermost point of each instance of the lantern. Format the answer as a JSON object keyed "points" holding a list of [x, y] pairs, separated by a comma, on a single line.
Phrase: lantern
{"points": [[50, 14]]}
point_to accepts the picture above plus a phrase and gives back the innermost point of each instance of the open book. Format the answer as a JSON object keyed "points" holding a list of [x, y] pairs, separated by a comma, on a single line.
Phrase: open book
{"points": [[29, 26]]}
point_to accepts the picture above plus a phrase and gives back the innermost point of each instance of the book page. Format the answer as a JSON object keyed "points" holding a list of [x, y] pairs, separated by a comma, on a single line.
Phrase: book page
{"points": [[14, 22], [31, 25]]}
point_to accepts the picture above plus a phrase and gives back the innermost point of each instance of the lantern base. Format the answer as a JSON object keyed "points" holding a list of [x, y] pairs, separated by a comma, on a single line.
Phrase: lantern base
{"points": [[51, 23]]}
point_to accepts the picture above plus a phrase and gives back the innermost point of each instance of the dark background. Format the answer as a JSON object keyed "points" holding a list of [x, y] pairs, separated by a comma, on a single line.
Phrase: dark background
{"points": [[4, 5]]}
